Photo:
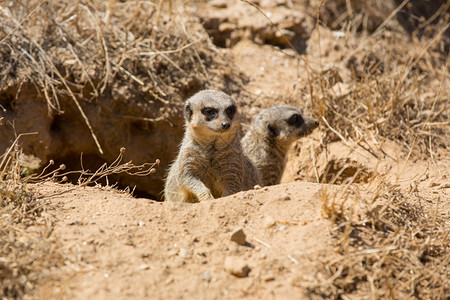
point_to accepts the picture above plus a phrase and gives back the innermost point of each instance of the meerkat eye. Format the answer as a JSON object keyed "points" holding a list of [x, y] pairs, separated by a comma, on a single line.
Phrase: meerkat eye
{"points": [[295, 120], [209, 112], [231, 111]]}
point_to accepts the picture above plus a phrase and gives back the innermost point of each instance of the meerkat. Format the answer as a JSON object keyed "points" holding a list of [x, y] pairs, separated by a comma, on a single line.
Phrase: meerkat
{"points": [[269, 137], [210, 163]]}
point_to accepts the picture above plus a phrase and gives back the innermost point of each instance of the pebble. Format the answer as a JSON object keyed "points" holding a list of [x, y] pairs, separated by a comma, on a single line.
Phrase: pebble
{"points": [[218, 3], [236, 266], [238, 236], [185, 253], [268, 222], [143, 267], [206, 276]]}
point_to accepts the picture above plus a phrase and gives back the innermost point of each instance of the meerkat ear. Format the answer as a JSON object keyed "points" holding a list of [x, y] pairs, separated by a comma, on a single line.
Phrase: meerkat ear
{"points": [[272, 130], [188, 112]]}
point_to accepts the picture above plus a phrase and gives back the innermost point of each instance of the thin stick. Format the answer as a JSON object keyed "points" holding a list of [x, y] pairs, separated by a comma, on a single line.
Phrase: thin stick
{"points": [[261, 242], [12, 146], [314, 163]]}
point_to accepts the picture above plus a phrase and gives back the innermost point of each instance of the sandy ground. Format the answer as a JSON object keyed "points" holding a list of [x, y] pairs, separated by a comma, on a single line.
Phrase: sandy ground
{"points": [[117, 246]]}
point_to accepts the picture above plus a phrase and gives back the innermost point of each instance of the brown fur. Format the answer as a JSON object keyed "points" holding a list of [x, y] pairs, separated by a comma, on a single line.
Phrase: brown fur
{"points": [[269, 138], [210, 163]]}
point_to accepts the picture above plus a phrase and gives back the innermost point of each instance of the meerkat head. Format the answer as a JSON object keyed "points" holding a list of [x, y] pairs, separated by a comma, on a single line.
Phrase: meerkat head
{"points": [[212, 113], [282, 125]]}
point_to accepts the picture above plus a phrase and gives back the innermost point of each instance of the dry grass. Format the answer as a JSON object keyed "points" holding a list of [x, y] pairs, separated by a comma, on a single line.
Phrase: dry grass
{"points": [[78, 52], [383, 83], [390, 247], [94, 43], [23, 255], [87, 177]]}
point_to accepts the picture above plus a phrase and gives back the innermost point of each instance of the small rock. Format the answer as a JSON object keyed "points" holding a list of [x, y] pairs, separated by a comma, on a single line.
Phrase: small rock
{"points": [[172, 252], [143, 267], [206, 276], [185, 253], [268, 222], [268, 277], [218, 3], [226, 27], [74, 223], [140, 224], [238, 236], [236, 266]]}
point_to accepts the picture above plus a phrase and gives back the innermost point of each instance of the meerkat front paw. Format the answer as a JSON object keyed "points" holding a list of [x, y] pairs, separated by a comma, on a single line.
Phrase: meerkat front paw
{"points": [[205, 197]]}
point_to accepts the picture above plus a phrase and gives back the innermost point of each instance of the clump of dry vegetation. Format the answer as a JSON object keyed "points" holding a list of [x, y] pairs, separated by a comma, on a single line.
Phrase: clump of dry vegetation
{"points": [[385, 81], [137, 59], [389, 246], [382, 81], [84, 47], [23, 257]]}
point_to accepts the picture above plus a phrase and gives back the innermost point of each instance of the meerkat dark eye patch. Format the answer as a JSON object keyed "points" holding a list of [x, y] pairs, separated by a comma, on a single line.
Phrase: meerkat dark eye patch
{"points": [[295, 120], [231, 111], [272, 130], [188, 112], [209, 113]]}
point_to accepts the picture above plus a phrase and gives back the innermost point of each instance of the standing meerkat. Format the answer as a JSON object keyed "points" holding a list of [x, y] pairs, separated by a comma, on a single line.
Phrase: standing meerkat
{"points": [[269, 137], [210, 163]]}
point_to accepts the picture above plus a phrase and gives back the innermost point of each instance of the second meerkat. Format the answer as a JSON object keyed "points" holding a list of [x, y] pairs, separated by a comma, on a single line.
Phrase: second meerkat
{"points": [[269, 137], [210, 163]]}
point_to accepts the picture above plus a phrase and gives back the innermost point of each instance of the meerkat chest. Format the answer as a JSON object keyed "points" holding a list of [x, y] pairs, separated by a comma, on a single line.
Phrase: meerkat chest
{"points": [[216, 169]]}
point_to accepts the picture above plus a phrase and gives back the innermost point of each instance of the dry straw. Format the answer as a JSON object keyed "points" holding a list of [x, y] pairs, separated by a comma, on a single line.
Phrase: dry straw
{"points": [[390, 247], [76, 52]]}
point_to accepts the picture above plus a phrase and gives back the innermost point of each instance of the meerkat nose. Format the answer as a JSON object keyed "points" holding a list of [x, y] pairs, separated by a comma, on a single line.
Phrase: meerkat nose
{"points": [[226, 125]]}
